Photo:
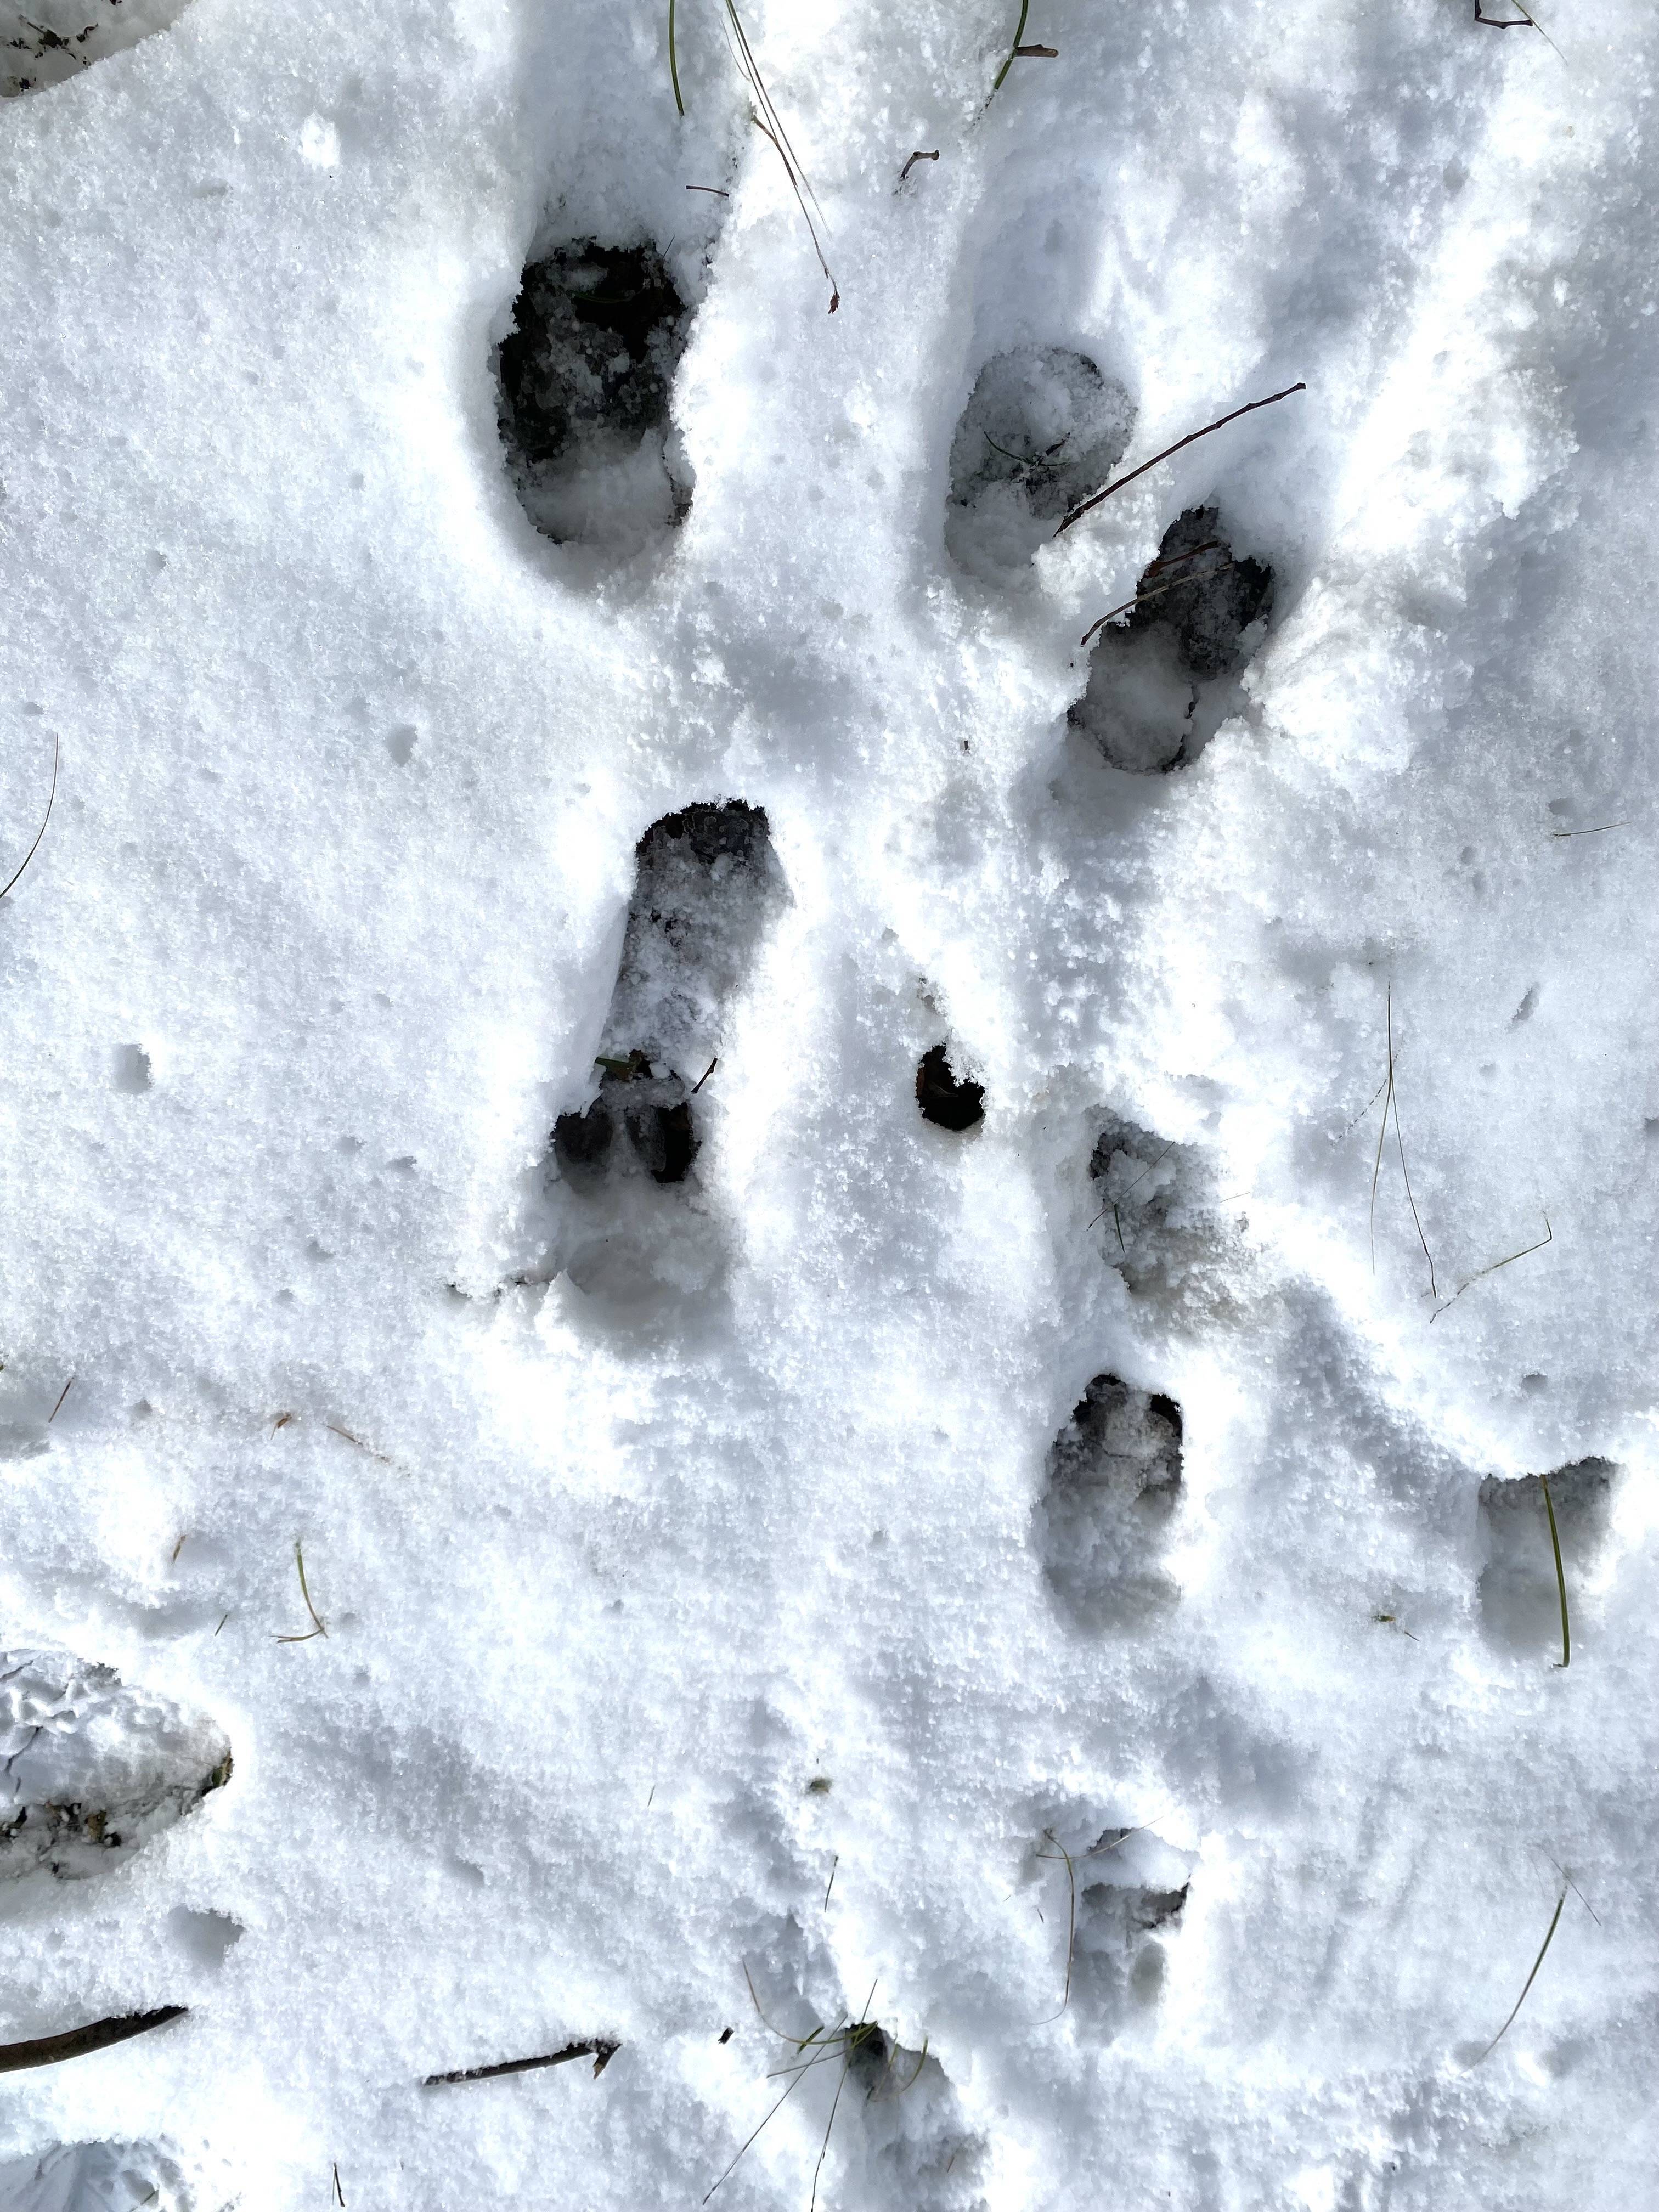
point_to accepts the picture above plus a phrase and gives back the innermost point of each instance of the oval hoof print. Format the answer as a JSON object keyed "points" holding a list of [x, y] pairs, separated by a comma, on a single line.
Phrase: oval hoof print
{"points": [[1162, 674], [91, 1770], [1044, 426], [586, 385]]}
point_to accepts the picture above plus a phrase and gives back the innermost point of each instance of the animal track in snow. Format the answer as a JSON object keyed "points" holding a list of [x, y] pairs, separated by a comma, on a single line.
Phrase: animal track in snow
{"points": [[90, 1770], [1520, 1596], [100, 2176], [1113, 1483], [1128, 1890], [706, 884], [1153, 1197], [45, 42], [913, 2152], [1164, 678], [587, 385], [1042, 428]]}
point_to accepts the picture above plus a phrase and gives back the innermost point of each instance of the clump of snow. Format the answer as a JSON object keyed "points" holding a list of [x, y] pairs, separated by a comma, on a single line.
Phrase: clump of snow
{"points": [[90, 1769]]}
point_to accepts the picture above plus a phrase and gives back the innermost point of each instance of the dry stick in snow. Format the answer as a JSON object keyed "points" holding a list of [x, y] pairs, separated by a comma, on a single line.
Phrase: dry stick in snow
{"points": [[599, 2050], [1519, 22], [96, 2035], [913, 158], [770, 124], [1191, 439], [1481, 1273], [1522, 1999], [1210, 545]]}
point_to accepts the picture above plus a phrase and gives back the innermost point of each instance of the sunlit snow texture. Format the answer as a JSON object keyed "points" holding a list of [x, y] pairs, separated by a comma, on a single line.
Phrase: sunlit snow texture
{"points": [[835, 1325]]}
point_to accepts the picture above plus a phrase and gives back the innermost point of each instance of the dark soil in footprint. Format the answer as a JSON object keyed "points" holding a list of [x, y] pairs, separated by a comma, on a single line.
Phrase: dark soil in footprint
{"points": [[1520, 1596], [948, 1101], [1042, 430], [586, 382], [705, 883], [1113, 1482], [90, 1770], [45, 42], [1164, 677]]}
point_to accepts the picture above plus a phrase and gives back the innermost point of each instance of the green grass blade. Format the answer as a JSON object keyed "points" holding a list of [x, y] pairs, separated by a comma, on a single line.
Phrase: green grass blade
{"points": [[1561, 1575], [673, 65], [1548, 1939], [1019, 32]]}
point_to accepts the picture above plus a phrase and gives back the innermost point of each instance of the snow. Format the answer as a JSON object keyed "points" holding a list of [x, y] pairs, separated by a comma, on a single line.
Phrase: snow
{"points": [[1184, 1841]]}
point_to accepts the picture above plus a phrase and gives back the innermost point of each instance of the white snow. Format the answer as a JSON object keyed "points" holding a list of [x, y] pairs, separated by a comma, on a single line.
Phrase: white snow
{"points": [[632, 1527]]}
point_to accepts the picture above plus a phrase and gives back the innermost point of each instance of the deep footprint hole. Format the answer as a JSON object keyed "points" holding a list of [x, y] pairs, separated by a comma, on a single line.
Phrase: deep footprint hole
{"points": [[587, 377], [1163, 676], [949, 1101], [705, 882]]}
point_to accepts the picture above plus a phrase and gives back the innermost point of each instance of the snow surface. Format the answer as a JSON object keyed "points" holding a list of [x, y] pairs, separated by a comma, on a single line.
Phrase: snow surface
{"points": [[694, 1647]]}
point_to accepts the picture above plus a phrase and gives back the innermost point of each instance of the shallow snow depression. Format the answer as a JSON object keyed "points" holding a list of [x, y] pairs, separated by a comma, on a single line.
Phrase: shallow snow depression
{"points": [[716, 1356]]}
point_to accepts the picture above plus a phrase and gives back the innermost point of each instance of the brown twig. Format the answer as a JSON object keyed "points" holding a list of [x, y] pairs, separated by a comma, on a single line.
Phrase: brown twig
{"points": [[96, 2035], [1210, 545], [913, 158], [1192, 438], [58, 1408], [598, 2049], [715, 189]]}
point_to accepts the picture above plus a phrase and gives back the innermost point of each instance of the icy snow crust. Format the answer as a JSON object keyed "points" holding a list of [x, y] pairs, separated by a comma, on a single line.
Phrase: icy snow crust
{"points": [[321, 942]]}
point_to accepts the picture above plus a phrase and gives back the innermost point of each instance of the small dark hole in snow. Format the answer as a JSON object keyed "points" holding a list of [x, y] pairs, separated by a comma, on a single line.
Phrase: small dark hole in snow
{"points": [[950, 1103]]}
